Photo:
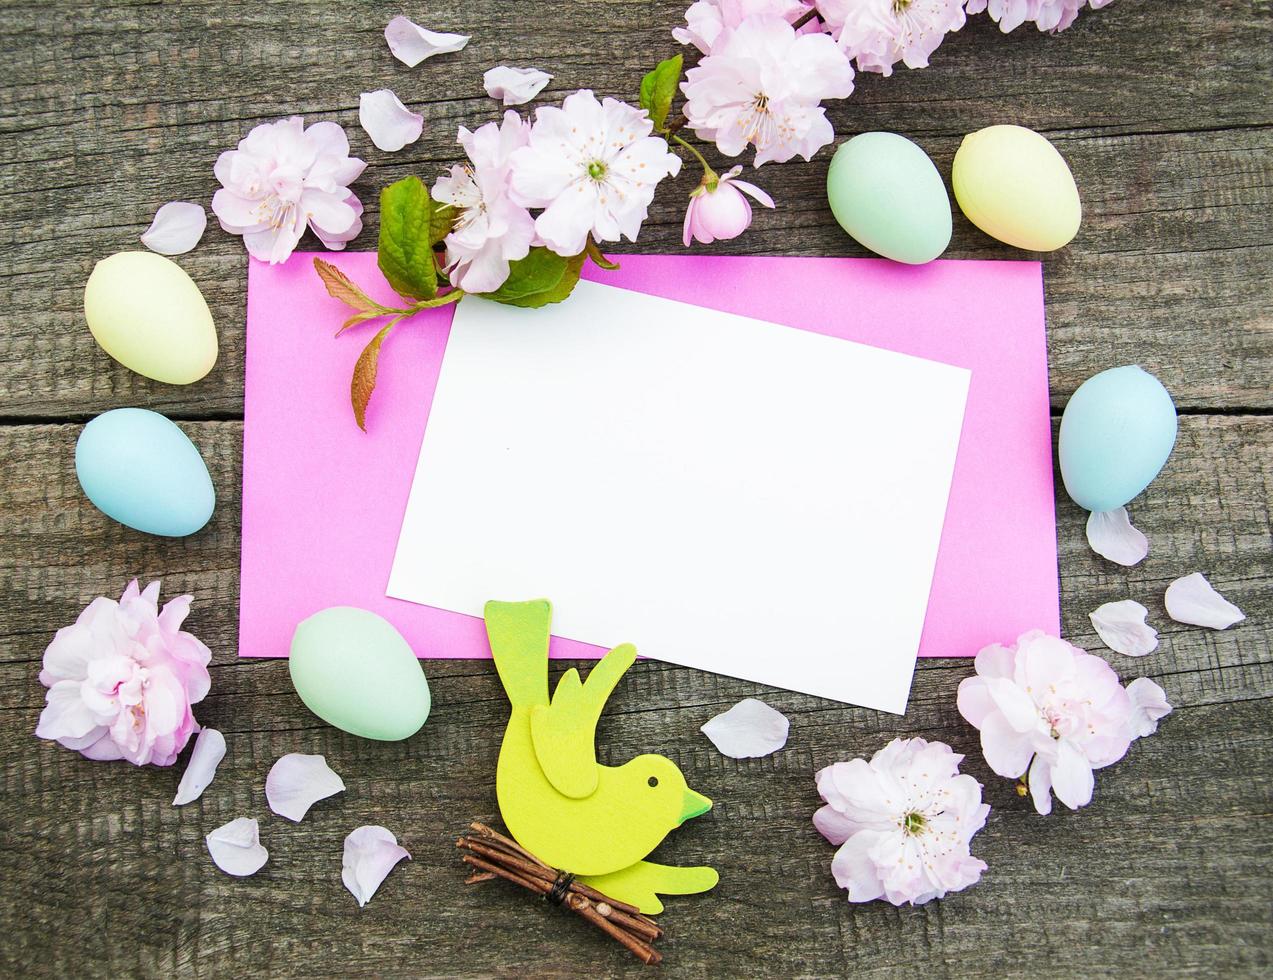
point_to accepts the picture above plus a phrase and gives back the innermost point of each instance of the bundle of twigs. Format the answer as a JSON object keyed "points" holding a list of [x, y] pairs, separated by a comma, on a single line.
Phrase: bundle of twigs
{"points": [[495, 856]]}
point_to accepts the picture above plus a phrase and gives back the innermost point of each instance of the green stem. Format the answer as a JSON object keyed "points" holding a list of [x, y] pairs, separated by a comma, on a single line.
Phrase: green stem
{"points": [[454, 296], [710, 176]]}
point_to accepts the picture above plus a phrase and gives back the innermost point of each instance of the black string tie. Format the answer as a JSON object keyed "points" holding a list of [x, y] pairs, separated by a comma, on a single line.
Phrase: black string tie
{"points": [[561, 887]]}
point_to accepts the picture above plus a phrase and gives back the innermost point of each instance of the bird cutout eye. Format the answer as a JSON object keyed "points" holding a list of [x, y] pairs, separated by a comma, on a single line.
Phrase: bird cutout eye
{"points": [[653, 781]]}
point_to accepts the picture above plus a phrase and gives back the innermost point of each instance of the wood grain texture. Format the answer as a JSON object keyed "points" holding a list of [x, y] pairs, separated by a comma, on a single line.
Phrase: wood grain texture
{"points": [[1160, 106]]}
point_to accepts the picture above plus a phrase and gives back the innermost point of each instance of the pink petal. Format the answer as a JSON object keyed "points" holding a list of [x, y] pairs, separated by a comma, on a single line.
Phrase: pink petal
{"points": [[411, 43], [236, 847], [1111, 535], [1007, 752], [1018, 710], [748, 730], [296, 782], [370, 854], [1040, 780], [1122, 627], [1192, 600], [209, 750], [177, 228], [749, 188], [514, 85], [974, 700], [1149, 703], [1072, 779], [389, 123], [833, 825]]}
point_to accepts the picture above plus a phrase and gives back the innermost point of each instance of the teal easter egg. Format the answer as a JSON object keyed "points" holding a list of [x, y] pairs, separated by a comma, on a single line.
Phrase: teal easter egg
{"points": [[138, 468], [1116, 433], [886, 193], [354, 670]]}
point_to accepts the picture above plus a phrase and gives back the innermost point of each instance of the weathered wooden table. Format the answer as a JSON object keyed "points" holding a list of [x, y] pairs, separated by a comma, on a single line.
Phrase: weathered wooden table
{"points": [[1162, 108]]}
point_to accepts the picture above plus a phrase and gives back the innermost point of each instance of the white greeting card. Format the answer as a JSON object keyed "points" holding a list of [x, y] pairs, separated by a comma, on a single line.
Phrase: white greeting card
{"points": [[725, 493]]}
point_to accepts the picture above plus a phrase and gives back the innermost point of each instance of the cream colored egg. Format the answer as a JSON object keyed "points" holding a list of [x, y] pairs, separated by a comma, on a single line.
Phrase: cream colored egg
{"points": [[150, 316], [1014, 185]]}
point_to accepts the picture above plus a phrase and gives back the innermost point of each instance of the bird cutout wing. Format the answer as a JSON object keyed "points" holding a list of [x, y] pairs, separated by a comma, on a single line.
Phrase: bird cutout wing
{"points": [[641, 884], [564, 732]]}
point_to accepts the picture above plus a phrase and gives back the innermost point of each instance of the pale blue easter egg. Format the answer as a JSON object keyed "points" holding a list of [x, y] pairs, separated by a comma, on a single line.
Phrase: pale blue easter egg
{"points": [[1116, 433], [138, 468], [885, 192]]}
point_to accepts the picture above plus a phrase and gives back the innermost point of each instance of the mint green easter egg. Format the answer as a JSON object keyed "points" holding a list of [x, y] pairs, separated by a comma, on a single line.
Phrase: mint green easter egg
{"points": [[354, 670], [886, 193]]}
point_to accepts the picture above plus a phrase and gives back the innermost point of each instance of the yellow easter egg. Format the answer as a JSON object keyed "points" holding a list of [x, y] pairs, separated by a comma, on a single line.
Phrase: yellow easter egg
{"points": [[149, 315], [1014, 185]]}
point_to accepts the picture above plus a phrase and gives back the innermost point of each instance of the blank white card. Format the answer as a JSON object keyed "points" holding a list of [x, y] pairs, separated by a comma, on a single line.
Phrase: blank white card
{"points": [[725, 493]]}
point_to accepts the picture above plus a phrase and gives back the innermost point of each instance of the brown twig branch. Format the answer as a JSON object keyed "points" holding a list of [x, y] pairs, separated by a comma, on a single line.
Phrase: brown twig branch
{"points": [[492, 855]]}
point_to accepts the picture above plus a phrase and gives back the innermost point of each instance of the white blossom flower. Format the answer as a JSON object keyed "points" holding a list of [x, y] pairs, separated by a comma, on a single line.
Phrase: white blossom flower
{"points": [[284, 176], [705, 19], [879, 33], [762, 85], [491, 229], [592, 166], [904, 822]]}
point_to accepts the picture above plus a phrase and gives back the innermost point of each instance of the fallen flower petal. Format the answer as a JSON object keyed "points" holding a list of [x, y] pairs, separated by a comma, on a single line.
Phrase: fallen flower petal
{"points": [[389, 123], [209, 750], [1149, 703], [177, 228], [1111, 535], [236, 847], [1192, 600], [515, 85], [1122, 628], [370, 854], [411, 43], [296, 782], [748, 730]]}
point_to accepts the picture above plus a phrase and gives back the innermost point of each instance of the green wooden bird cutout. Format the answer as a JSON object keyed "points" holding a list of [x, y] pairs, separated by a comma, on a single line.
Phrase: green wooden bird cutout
{"points": [[596, 822]]}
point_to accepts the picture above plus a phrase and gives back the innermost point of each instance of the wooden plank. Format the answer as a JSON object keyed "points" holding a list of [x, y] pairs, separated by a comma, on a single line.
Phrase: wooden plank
{"points": [[1165, 874], [1171, 268]]}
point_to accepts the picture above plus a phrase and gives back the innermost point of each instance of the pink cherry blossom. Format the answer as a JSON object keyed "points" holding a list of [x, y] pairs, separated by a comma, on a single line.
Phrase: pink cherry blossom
{"points": [[705, 19], [283, 177], [1049, 707], [718, 209], [879, 33], [1046, 15], [592, 166], [122, 679], [762, 85], [904, 822], [490, 230]]}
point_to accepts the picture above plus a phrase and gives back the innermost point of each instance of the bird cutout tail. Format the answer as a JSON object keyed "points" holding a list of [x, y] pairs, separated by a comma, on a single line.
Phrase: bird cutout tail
{"points": [[519, 632], [565, 732], [641, 884]]}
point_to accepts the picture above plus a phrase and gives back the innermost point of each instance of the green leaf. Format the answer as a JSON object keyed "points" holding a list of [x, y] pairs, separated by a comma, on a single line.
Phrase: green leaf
{"points": [[363, 383], [554, 293], [406, 239], [658, 88], [540, 270], [440, 222]]}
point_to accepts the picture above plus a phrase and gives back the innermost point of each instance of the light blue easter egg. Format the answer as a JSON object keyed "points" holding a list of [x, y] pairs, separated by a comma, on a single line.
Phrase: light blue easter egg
{"points": [[885, 192], [138, 468], [1116, 433]]}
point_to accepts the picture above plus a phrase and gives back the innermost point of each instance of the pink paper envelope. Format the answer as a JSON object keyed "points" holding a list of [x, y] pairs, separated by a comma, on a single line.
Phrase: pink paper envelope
{"points": [[323, 501]]}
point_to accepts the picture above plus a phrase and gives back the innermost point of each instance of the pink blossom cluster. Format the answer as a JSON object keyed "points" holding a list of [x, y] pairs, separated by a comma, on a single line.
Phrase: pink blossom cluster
{"points": [[122, 678], [1051, 713], [1046, 15]]}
